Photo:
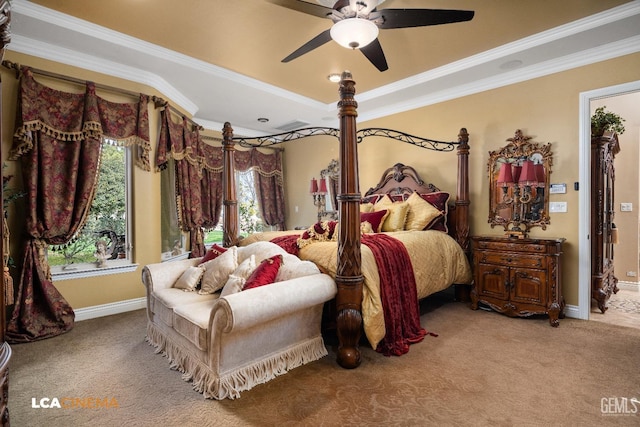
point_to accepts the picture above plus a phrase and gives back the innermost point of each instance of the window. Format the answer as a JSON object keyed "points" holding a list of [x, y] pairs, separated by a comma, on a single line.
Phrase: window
{"points": [[108, 226], [248, 213]]}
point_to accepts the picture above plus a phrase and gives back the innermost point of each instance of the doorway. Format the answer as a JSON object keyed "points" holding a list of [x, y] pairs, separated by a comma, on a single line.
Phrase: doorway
{"points": [[613, 97]]}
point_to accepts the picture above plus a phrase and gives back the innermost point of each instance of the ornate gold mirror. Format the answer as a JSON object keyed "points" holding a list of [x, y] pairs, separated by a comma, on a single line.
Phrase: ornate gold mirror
{"points": [[519, 185]]}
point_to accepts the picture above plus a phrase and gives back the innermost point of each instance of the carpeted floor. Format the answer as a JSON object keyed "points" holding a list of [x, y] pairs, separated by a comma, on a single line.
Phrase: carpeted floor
{"points": [[483, 369]]}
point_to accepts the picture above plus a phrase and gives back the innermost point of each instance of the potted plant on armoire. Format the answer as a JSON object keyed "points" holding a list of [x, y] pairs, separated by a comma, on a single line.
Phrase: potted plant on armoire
{"points": [[605, 128]]}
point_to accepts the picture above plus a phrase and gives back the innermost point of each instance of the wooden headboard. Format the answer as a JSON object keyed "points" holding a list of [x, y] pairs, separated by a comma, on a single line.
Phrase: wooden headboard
{"points": [[401, 179]]}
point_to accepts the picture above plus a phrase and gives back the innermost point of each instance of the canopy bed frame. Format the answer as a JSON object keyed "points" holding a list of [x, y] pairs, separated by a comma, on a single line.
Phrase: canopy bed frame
{"points": [[349, 278]]}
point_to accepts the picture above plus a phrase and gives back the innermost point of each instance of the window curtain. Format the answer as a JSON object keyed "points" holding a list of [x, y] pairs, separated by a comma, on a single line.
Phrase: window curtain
{"points": [[58, 138], [198, 169], [269, 183]]}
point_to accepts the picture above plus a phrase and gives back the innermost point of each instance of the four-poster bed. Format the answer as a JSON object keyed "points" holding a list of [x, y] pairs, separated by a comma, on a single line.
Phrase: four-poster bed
{"points": [[399, 180]]}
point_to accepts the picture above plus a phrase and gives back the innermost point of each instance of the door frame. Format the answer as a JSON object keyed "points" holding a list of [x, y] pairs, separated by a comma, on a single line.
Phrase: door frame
{"points": [[584, 196]]}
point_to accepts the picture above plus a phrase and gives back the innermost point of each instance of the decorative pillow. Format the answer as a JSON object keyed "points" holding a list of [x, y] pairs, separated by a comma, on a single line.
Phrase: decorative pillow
{"points": [[217, 271], [440, 201], [323, 231], [421, 213], [214, 252], [365, 228], [265, 273], [366, 207], [234, 285], [371, 198], [397, 213], [246, 267], [375, 219], [189, 279]]}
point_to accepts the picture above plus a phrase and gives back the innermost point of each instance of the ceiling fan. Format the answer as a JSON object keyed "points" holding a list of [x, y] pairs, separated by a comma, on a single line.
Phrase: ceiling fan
{"points": [[356, 24]]}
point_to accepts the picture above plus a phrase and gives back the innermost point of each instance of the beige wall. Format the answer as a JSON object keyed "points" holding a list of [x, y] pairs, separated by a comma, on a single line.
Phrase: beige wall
{"points": [[626, 185], [544, 108]]}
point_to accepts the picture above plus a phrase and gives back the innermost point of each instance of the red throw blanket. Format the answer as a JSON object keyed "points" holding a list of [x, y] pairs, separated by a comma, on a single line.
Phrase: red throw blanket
{"points": [[397, 291]]}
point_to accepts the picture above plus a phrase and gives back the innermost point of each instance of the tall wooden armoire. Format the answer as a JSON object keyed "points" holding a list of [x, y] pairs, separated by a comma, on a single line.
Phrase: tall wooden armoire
{"points": [[5, 349], [603, 233]]}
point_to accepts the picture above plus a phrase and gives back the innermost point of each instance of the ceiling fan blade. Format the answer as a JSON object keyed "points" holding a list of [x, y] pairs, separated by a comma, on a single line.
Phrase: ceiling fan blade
{"points": [[405, 18], [373, 52], [315, 42], [304, 7]]}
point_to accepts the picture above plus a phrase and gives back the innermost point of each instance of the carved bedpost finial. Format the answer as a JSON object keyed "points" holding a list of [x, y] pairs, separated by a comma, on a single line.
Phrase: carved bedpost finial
{"points": [[463, 136]]}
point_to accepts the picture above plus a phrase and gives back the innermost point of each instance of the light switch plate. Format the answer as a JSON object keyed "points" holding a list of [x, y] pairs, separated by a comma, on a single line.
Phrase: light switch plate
{"points": [[626, 207], [555, 207]]}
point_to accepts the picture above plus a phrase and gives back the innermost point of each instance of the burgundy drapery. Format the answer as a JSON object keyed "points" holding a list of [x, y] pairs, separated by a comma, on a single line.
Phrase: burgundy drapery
{"points": [[199, 206], [198, 177], [267, 170], [58, 138]]}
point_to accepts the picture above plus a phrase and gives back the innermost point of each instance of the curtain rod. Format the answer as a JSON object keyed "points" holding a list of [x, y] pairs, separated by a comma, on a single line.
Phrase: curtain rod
{"points": [[217, 139], [159, 102]]}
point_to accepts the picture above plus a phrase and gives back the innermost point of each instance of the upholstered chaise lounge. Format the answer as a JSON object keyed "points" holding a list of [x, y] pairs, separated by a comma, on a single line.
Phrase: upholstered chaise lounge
{"points": [[228, 344]]}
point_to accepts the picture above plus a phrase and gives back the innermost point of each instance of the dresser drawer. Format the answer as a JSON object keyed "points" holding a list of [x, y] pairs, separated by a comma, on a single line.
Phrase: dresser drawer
{"points": [[511, 260], [511, 246]]}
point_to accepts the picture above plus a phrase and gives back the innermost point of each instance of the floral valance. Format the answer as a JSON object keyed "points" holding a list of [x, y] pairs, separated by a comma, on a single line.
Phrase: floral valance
{"points": [[265, 164], [75, 117], [178, 143]]}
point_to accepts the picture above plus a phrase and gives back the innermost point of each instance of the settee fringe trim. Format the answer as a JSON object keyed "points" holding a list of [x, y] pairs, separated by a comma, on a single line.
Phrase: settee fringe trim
{"points": [[230, 384]]}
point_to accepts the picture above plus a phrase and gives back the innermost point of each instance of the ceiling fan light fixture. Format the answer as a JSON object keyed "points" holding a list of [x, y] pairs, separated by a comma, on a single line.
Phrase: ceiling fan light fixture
{"points": [[354, 33]]}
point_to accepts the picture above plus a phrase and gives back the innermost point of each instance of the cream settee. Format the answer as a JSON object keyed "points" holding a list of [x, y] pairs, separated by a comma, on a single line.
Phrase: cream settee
{"points": [[229, 344]]}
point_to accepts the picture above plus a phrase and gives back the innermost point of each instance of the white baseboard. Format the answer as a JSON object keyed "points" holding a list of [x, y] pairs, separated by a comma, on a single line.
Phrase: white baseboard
{"points": [[109, 309], [572, 311]]}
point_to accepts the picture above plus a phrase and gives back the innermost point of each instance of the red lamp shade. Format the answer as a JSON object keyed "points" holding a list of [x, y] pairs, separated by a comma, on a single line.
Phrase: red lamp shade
{"points": [[528, 173], [516, 173], [314, 186], [539, 168], [323, 186], [505, 176]]}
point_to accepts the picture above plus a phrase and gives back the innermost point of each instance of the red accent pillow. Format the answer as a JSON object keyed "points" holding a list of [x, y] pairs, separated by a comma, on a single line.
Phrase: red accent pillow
{"points": [[265, 273], [440, 201], [372, 198], [374, 218], [214, 252]]}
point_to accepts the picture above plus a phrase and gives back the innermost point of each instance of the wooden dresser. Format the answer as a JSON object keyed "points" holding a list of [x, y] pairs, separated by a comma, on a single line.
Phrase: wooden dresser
{"points": [[518, 277]]}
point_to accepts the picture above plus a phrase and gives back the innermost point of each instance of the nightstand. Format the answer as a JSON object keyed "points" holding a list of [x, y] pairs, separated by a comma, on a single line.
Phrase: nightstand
{"points": [[518, 277]]}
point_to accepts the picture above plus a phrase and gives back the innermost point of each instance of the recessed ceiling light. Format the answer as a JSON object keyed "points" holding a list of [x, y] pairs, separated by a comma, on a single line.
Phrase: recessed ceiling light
{"points": [[510, 65], [333, 77], [263, 120]]}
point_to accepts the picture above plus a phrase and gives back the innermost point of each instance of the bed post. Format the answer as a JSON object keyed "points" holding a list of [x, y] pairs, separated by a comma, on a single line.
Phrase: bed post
{"points": [[462, 196], [349, 277], [230, 202], [462, 292]]}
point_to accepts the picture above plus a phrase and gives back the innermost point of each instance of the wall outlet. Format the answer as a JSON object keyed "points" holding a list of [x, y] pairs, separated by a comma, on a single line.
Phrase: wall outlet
{"points": [[557, 207], [631, 274], [626, 207]]}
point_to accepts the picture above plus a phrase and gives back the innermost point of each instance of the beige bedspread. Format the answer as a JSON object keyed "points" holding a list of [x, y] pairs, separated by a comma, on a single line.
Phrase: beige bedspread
{"points": [[438, 262]]}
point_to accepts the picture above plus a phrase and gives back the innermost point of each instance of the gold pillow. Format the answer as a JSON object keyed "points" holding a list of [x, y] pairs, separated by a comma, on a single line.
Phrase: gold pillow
{"points": [[397, 213], [421, 213], [366, 207]]}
